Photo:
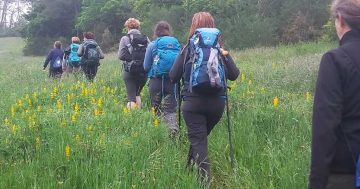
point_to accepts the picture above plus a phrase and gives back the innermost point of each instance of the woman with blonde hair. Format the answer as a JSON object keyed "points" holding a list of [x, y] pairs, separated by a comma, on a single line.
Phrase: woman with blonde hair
{"points": [[71, 57], [336, 112], [203, 95], [132, 50]]}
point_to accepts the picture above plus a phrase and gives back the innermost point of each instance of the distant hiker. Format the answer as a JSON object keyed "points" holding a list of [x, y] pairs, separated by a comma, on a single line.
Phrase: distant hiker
{"points": [[201, 67], [90, 53], [132, 49], [159, 58], [71, 57], [336, 112], [55, 58]]}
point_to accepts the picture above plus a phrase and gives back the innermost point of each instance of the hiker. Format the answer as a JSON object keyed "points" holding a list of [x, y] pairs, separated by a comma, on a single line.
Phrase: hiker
{"points": [[55, 58], [335, 145], [72, 60], [90, 53], [159, 58], [204, 71], [132, 50]]}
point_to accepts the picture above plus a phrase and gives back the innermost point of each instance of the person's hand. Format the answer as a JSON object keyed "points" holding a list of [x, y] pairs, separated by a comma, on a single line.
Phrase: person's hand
{"points": [[224, 52]]}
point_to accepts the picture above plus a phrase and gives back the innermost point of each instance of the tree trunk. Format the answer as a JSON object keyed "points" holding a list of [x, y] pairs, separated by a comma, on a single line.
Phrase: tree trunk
{"points": [[4, 14]]}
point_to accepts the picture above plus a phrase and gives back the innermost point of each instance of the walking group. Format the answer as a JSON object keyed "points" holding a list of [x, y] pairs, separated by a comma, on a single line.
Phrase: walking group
{"points": [[199, 70], [194, 74]]}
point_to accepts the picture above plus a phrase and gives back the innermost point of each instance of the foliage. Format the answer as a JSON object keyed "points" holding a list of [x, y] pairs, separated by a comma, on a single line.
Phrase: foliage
{"points": [[244, 24]]}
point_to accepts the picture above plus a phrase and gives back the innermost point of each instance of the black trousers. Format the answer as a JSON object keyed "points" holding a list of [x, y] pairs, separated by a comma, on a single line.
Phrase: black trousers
{"points": [[201, 114], [90, 71], [341, 181], [162, 90]]}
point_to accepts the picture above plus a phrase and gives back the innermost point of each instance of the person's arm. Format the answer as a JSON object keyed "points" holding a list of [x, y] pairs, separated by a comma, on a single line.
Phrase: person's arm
{"points": [[48, 59], [327, 112], [232, 72], [124, 53], [80, 51], [148, 61], [67, 53], [102, 56], [177, 69]]}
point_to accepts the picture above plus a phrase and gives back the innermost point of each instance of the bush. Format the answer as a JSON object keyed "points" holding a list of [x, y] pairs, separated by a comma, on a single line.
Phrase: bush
{"points": [[329, 31]]}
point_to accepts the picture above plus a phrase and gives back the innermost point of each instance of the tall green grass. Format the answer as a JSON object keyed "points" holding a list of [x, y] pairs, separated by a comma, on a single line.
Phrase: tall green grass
{"points": [[114, 148]]}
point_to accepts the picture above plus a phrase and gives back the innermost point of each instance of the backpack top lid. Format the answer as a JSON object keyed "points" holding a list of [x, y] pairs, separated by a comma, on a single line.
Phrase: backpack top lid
{"points": [[206, 37], [167, 42]]}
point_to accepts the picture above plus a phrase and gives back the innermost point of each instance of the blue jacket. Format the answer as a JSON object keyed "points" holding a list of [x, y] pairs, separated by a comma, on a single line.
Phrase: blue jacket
{"points": [[51, 57], [149, 59]]}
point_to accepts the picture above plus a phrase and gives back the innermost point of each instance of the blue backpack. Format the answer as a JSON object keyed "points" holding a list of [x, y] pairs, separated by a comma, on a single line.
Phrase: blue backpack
{"points": [[57, 64], [73, 58], [167, 49], [206, 73]]}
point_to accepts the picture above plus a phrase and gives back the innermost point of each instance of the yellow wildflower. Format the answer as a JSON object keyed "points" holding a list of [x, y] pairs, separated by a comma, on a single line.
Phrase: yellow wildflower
{"points": [[242, 77], [45, 90], [86, 92], [55, 90], [100, 102], [67, 152], [250, 82], [38, 109], [125, 110], [93, 101], [20, 103], [276, 102], [96, 112], [52, 95], [29, 102], [73, 118], [153, 112], [34, 95], [262, 89], [308, 96], [12, 111], [127, 142], [93, 91], [90, 129], [156, 123], [76, 108], [13, 131], [58, 105], [6, 122]]}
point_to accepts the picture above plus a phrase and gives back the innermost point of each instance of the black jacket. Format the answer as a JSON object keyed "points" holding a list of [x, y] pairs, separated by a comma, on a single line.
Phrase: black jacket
{"points": [[177, 71], [336, 112]]}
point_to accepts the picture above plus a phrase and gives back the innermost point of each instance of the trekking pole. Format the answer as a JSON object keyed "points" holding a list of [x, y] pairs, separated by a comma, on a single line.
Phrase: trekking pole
{"points": [[224, 59], [179, 107]]}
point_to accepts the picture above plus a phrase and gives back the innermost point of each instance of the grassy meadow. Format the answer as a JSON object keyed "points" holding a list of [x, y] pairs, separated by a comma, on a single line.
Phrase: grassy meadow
{"points": [[74, 134]]}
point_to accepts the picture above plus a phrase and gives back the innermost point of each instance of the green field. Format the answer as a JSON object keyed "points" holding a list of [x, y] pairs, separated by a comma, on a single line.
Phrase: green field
{"points": [[74, 134]]}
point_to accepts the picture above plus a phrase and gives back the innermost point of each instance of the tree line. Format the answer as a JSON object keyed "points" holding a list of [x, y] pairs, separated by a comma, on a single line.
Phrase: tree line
{"points": [[244, 23]]}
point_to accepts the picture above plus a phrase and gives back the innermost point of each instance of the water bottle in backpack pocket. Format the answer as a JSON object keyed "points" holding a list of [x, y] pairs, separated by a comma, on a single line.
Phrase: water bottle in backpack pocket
{"points": [[167, 48], [206, 73]]}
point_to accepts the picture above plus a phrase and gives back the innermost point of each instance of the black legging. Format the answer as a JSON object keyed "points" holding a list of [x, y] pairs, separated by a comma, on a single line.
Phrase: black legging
{"points": [[201, 114]]}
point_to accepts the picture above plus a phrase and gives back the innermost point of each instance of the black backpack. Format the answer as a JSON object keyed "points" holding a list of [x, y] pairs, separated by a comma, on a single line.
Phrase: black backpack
{"points": [[139, 44], [91, 55]]}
